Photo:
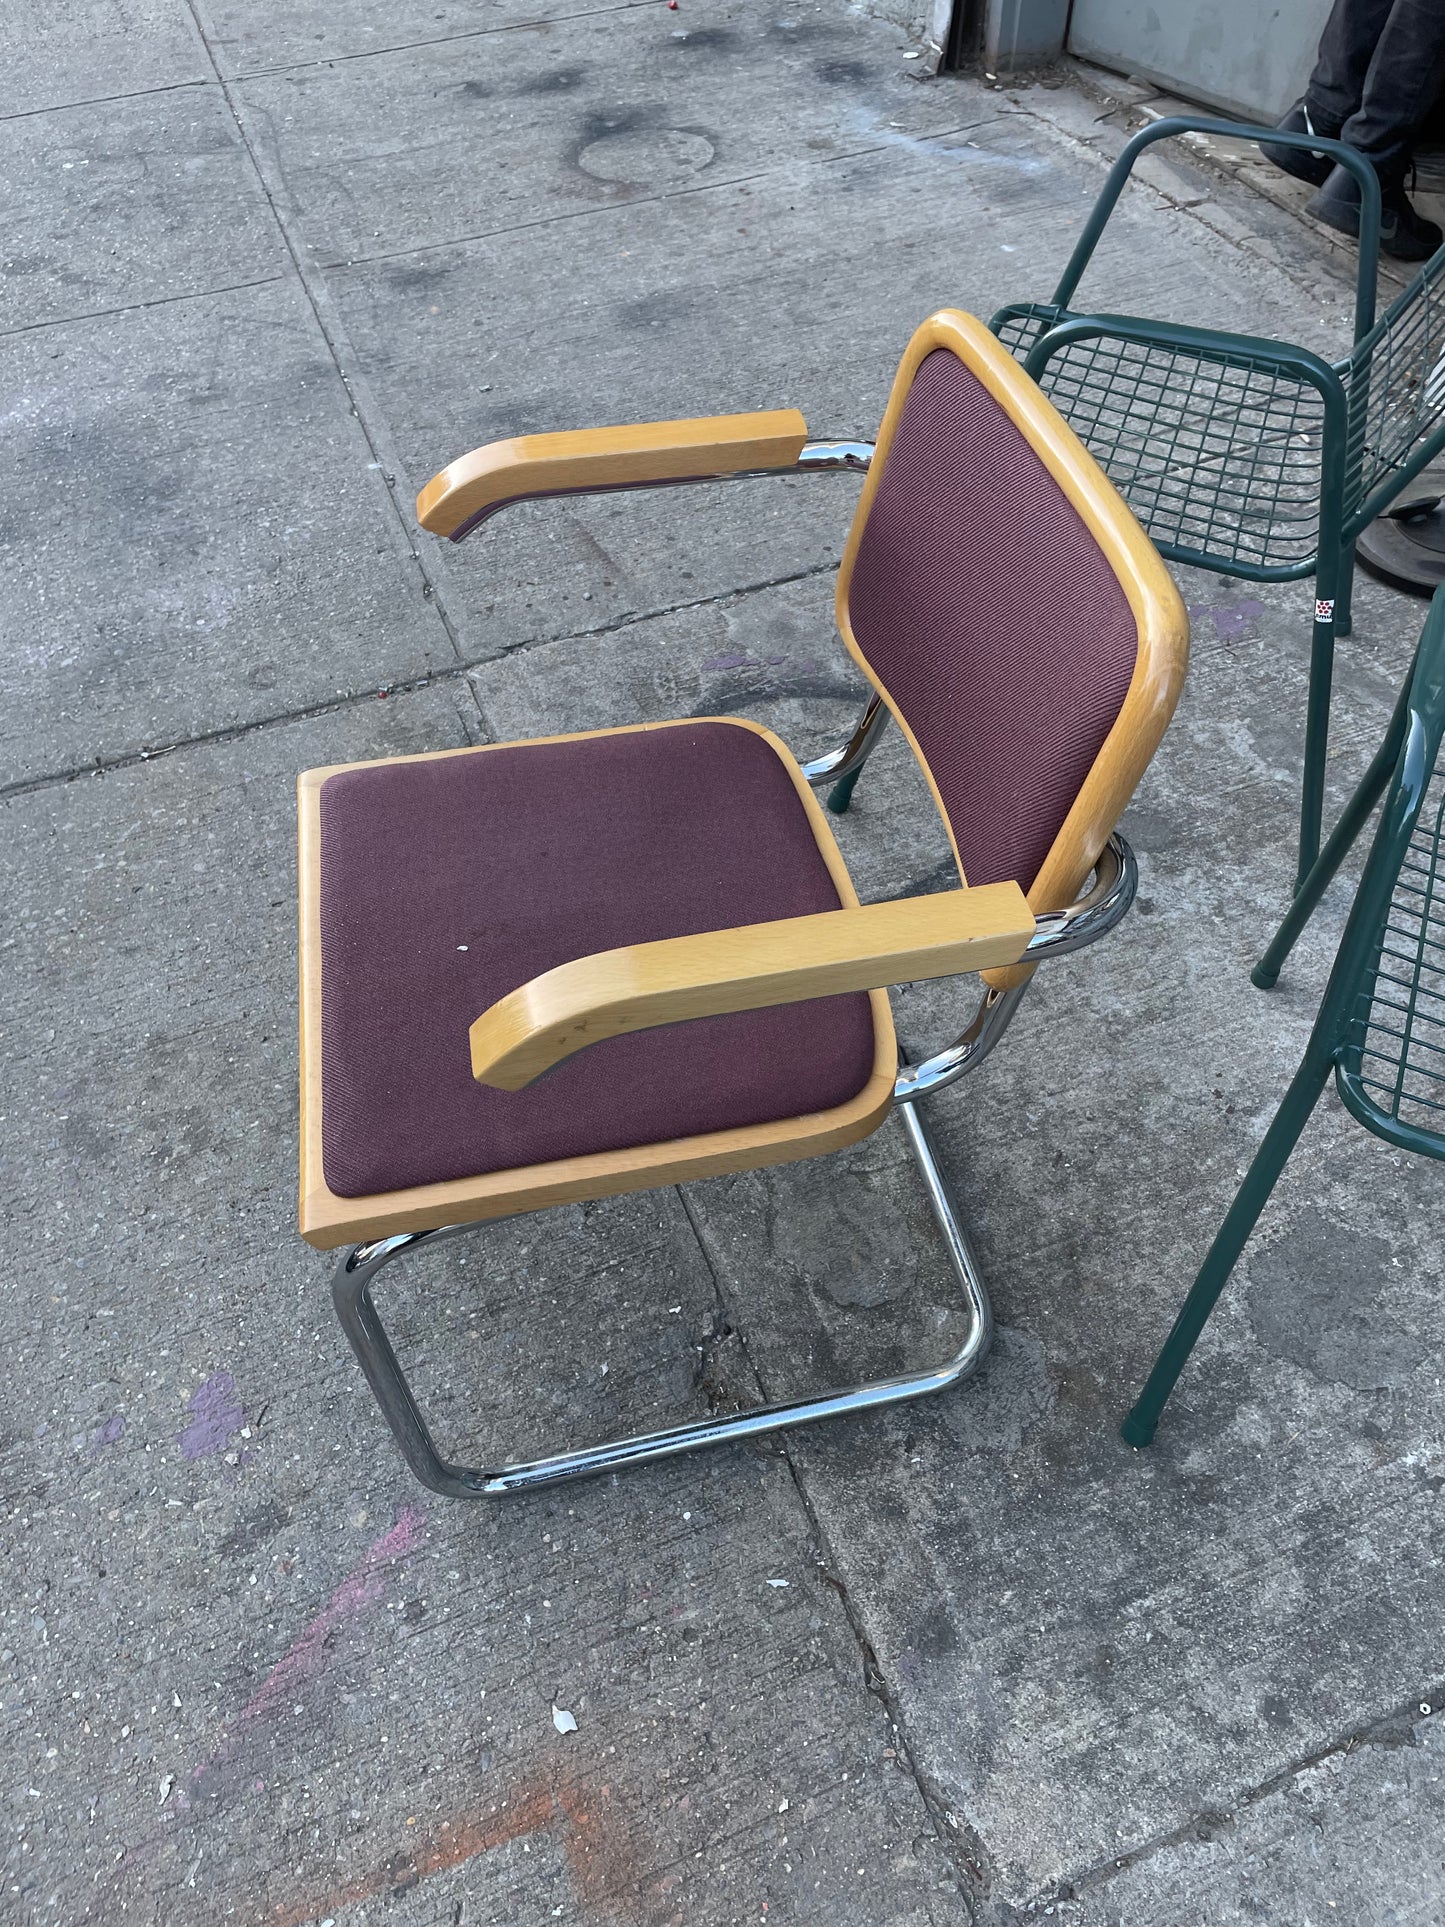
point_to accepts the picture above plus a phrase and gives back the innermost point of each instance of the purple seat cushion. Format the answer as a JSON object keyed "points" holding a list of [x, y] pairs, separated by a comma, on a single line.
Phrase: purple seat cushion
{"points": [[446, 883], [993, 619]]}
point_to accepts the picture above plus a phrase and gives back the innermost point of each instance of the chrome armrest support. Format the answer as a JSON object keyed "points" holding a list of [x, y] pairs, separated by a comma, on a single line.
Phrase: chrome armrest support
{"points": [[814, 458], [855, 752], [991, 1020], [822, 456], [1103, 904], [1116, 879]]}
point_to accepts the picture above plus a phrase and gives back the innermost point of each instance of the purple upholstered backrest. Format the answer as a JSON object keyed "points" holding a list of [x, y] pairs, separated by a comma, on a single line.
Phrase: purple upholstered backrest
{"points": [[992, 618]]}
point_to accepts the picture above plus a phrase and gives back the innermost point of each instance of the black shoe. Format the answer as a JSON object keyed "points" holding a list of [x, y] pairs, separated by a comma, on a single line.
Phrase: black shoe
{"points": [[1406, 235], [1302, 162]]}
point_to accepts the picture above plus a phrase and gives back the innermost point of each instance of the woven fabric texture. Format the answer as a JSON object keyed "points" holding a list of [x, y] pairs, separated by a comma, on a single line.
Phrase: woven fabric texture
{"points": [[445, 884], [993, 619]]}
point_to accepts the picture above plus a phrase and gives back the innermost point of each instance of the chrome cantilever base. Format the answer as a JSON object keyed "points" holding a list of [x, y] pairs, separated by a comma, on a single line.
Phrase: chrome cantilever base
{"points": [[352, 1293]]}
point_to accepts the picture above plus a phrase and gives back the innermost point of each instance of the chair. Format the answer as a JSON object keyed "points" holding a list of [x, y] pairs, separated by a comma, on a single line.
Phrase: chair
{"points": [[648, 934], [1249, 457], [1381, 1025]]}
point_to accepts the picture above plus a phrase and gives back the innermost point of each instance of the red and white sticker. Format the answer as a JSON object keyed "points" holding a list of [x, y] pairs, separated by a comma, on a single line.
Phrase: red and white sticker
{"points": [[1324, 612]]}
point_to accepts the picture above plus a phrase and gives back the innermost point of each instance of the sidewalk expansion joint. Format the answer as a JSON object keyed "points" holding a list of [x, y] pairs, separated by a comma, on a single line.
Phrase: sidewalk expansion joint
{"points": [[136, 307], [228, 733], [406, 685], [313, 287], [105, 100], [961, 1846]]}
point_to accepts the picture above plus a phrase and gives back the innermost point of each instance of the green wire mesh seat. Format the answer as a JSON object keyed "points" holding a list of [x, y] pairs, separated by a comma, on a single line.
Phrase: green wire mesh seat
{"points": [[1219, 444], [1253, 458], [1391, 1067], [1381, 1025]]}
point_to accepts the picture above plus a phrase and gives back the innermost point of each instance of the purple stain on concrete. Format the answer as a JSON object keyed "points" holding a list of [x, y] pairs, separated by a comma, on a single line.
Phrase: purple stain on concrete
{"points": [[109, 1433], [730, 661], [216, 1417], [1230, 619]]}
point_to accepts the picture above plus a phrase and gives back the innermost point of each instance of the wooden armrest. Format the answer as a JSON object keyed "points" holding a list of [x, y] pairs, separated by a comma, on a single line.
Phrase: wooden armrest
{"points": [[757, 964], [476, 485]]}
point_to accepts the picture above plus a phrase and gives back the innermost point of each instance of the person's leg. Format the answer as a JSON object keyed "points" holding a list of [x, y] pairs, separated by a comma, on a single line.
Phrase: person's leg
{"points": [[1347, 45], [1401, 82], [1336, 86]]}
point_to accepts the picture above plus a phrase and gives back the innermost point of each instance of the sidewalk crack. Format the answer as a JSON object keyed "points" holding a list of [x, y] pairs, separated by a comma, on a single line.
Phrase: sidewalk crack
{"points": [[1391, 1729], [368, 419], [402, 686], [962, 1847]]}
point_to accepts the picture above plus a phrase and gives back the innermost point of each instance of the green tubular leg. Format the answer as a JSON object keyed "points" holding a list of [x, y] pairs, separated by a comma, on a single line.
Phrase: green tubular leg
{"points": [[1344, 595], [841, 794], [1280, 1139], [1317, 736], [1410, 751], [1353, 818], [1334, 559]]}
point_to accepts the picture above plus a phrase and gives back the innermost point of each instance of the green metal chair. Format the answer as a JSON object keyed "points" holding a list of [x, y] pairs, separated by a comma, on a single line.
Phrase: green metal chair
{"points": [[1381, 1026], [1251, 458]]}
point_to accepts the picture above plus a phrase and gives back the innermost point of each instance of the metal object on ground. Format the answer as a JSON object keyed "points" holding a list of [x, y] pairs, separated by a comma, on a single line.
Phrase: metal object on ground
{"points": [[1405, 546]]}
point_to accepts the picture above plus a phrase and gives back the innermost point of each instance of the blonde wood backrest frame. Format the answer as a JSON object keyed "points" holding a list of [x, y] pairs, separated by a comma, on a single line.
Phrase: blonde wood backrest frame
{"points": [[1163, 623]]}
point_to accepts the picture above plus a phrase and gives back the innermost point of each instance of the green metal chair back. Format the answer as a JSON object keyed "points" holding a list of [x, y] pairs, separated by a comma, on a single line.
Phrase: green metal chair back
{"points": [[1381, 1025], [1251, 458], [1221, 437]]}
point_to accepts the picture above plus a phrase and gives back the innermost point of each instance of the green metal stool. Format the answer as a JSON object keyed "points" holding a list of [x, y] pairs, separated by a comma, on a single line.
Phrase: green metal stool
{"points": [[1251, 458], [1381, 1026]]}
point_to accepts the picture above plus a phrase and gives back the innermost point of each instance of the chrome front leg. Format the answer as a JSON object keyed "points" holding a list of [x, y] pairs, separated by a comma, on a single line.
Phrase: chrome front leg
{"points": [[352, 1289]]}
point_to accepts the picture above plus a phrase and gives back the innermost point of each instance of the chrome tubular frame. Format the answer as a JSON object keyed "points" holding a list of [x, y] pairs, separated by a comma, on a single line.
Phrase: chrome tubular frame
{"points": [[991, 1020], [847, 761], [1093, 915], [1097, 911], [352, 1293], [814, 458], [1103, 904], [820, 457]]}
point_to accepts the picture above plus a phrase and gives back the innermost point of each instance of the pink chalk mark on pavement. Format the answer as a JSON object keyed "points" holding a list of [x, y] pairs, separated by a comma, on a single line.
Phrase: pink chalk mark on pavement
{"points": [[364, 1586], [307, 1654]]}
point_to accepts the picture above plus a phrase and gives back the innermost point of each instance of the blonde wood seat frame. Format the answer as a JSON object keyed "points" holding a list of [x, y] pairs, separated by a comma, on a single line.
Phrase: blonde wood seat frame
{"points": [[997, 930]]}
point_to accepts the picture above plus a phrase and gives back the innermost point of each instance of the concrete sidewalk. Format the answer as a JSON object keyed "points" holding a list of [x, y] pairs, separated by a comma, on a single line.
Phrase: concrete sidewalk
{"points": [[267, 268]]}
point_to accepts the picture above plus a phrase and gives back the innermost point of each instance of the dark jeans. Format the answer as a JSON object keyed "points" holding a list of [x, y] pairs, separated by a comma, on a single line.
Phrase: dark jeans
{"points": [[1379, 69]]}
